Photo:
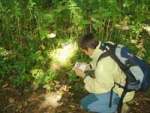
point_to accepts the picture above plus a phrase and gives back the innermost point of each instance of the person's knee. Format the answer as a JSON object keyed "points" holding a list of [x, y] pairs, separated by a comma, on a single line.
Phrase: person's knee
{"points": [[84, 104], [88, 100]]}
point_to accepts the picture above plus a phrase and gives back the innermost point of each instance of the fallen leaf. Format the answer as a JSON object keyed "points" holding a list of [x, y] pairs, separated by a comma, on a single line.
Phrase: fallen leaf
{"points": [[11, 100], [20, 106], [5, 85]]}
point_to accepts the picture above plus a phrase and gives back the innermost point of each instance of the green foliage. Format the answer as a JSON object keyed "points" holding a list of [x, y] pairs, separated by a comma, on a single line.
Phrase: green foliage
{"points": [[25, 26], [42, 78]]}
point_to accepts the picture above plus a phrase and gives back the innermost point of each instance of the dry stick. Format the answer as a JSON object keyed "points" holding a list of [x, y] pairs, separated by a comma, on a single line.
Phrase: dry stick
{"points": [[146, 99], [18, 24], [110, 36], [107, 30], [137, 36], [103, 31], [99, 30], [90, 24]]}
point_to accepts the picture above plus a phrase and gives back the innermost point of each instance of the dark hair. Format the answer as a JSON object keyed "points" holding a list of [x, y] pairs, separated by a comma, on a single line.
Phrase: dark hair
{"points": [[88, 41]]}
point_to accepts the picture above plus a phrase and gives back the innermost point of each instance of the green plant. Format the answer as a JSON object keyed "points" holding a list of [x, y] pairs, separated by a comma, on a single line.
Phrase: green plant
{"points": [[25, 28]]}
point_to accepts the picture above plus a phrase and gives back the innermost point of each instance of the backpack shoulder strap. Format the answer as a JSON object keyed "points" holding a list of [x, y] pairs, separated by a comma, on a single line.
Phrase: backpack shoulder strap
{"points": [[108, 49]]}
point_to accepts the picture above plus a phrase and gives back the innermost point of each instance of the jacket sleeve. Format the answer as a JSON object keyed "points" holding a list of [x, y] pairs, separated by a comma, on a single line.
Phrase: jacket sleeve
{"points": [[103, 81]]}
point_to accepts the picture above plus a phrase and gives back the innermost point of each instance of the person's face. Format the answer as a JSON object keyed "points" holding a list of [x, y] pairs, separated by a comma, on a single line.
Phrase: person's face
{"points": [[87, 51]]}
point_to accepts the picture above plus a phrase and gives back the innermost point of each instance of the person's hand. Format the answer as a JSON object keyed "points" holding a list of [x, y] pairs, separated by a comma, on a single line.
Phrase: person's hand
{"points": [[79, 72]]}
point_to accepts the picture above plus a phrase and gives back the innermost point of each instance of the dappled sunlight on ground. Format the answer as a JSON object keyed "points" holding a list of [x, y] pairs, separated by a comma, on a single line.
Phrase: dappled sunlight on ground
{"points": [[40, 101], [51, 99], [61, 100]]}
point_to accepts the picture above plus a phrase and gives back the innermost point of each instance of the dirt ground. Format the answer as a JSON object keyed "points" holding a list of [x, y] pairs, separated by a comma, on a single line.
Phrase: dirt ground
{"points": [[59, 101]]}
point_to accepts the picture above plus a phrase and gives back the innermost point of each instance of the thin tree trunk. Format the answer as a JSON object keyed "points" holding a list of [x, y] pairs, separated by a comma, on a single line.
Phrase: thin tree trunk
{"points": [[120, 4]]}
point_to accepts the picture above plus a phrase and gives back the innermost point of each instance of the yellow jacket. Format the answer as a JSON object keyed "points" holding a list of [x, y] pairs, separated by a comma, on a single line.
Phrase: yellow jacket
{"points": [[106, 73]]}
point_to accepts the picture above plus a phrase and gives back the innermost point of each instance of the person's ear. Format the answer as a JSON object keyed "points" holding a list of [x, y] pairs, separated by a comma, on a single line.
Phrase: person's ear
{"points": [[90, 51], [84, 51]]}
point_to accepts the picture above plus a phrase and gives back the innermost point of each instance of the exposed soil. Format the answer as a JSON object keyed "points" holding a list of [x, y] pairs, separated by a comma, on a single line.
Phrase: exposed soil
{"points": [[60, 101]]}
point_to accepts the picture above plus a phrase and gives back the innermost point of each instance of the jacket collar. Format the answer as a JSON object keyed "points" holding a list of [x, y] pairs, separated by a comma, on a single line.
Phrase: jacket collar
{"points": [[97, 52]]}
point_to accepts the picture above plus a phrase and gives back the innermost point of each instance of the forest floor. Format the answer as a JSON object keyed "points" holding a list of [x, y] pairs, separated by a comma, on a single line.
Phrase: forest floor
{"points": [[61, 100]]}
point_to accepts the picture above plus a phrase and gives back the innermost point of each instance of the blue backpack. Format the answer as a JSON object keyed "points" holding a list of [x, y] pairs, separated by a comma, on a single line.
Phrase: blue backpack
{"points": [[136, 70]]}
